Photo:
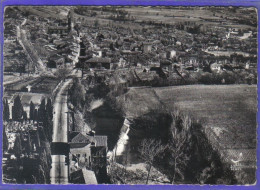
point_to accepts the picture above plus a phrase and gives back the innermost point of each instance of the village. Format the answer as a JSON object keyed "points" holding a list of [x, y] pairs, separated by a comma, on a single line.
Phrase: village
{"points": [[64, 72]]}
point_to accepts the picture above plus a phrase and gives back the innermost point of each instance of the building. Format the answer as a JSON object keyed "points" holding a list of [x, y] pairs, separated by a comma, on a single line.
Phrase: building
{"points": [[87, 150], [99, 62], [166, 65], [147, 47], [58, 30], [171, 54], [215, 67], [83, 176], [70, 20]]}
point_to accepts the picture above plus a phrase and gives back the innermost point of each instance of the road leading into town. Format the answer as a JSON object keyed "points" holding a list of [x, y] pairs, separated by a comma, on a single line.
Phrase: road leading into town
{"points": [[59, 171]]}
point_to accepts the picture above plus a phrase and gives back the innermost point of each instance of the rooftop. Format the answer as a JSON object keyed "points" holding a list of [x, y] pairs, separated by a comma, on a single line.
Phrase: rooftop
{"points": [[79, 140], [99, 60]]}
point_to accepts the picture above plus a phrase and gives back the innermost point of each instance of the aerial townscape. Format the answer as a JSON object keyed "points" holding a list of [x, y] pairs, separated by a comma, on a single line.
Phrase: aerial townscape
{"points": [[129, 95]]}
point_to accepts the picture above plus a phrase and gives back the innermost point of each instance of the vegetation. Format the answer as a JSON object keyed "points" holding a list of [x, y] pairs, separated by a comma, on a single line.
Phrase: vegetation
{"points": [[77, 94], [17, 110], [62, 73], [6, 112], [187, 157], [24, 150], [179, 145], [149, 150]]}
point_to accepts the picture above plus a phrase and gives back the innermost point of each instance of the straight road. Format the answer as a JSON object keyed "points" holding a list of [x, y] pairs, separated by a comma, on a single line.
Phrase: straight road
{"points": [[59, 171]]}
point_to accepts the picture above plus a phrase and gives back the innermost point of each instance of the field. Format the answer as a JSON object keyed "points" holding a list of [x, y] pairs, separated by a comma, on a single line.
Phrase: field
{"points": [[39, 84], [226, 112], [201, 15], [230, 110], [139, 101]]}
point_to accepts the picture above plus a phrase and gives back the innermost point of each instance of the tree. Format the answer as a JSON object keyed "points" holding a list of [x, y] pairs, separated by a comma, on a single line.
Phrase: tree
{"points": [[18, 146], [149, 150], [47, 123], [29, 147], [62, 73], [42, 111], [77, 94], [25, 115], [6, 112], [179, 144], [17, 110], [35, 115], [5, 140], [32, 110], [49, 109]]}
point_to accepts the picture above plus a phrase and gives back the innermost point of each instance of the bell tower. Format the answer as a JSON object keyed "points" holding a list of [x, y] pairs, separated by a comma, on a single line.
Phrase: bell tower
{"points": [[70, 21]]}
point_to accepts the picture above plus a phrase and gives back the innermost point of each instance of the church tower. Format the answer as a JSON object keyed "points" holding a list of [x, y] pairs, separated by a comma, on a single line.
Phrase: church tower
{"points": [[70, 21]]}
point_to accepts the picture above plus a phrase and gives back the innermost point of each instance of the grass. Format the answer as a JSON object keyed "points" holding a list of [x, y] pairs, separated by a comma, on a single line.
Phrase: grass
{"points": [[139, 101], [45, 85], [230, 109], [226, 112]]}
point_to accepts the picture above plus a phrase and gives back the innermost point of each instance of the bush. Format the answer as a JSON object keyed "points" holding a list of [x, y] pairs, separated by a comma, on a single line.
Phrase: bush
{"points": [[218, 78]]}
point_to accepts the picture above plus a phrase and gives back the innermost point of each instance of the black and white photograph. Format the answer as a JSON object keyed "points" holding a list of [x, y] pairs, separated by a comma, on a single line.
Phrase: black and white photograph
{"points": [[131, 95]]}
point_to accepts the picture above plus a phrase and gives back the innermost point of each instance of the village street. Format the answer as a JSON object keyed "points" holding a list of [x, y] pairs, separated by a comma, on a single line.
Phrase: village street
{"points": [[59, 170]]}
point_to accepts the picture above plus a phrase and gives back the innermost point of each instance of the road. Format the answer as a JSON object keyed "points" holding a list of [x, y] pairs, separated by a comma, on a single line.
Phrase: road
{"points": [[59, 171], [28, 48]]}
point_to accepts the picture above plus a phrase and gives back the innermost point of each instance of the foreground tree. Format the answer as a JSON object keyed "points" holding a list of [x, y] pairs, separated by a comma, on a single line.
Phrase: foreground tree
{"points": [[49, 108], [42, 111], [179, 145], [18, 146], [179, 156], [77, 94], [32, 109], [6, 112], [149, 150], [5, 141], [17, 110]]}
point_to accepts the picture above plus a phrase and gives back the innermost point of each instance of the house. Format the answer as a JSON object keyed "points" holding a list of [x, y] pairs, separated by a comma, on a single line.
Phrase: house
{"points": [[88, 150], [171, 54], [29, 87], [215, 67], [99, 62], [58, 30], [147, 47], [158, 71], [166, 65]]}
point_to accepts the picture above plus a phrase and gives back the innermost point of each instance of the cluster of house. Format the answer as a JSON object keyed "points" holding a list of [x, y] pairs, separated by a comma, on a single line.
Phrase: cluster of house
{"points": [[111, 45], [121, 47], [15, 57], [88, 157]]}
